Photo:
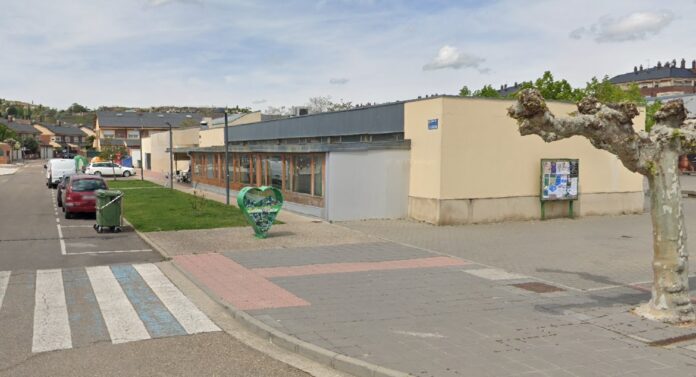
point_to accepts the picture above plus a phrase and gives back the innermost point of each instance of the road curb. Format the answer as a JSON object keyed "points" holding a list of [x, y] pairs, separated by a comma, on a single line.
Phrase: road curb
{"points": [[150, 242], [339, 362]]}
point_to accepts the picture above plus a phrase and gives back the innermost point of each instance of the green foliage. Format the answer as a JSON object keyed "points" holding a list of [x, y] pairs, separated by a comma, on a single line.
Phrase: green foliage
{"points": [[89, 141], [487, 91], [607, 92], [7, 133], [11, 111], [77, 108], [110, 152], [551, 89], [650, 111], [465, 91], [30, 144]]}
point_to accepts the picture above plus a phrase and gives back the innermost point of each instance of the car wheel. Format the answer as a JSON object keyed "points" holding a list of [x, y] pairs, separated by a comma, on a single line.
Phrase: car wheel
{"points": [[68, 215], [126, 174], [97, 172]]}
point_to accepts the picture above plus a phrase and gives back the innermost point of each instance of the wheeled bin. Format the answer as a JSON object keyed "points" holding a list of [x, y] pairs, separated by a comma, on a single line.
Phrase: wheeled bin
{"points": [[109, 208]]}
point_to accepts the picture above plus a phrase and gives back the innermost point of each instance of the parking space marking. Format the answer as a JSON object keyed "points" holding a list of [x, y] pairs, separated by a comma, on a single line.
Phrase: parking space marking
{"points": [[62, 241], [111, 251], [77, 226]]}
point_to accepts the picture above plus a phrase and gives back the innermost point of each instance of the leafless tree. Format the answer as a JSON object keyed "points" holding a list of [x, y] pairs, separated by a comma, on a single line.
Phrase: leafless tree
{"points": [[653, 154]]}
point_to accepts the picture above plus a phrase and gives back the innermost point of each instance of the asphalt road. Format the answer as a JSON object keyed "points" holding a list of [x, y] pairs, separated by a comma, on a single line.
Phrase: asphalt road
{"points": [[77, 303], [29, 230]]}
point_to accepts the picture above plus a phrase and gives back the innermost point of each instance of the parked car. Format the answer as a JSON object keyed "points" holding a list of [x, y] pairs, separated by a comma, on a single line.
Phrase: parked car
{"points": [[56, 168], [61, 187], [109, 168], [79, 196]]}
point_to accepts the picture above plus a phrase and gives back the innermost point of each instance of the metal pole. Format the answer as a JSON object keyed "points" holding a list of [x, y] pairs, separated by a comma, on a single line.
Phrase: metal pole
{"points": [[227, 164], [171, 158], [142, 153]]}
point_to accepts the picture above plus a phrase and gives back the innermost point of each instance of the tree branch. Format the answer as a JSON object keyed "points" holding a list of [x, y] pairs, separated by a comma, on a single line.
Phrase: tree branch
{"points": [[606, 126]]}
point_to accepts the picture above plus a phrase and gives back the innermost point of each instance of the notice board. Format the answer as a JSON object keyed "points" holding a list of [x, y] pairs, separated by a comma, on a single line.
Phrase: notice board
{"points": [[559, 179]]}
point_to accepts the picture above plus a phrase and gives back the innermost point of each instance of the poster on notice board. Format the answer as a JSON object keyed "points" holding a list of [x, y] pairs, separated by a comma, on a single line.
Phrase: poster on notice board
{"points": [[559, 179]]}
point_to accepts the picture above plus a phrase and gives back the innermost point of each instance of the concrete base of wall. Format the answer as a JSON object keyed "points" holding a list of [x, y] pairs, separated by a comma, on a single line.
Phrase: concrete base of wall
{"points": [[472, 211]]}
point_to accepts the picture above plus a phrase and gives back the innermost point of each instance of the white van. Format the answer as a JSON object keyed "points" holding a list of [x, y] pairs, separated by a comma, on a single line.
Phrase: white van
{"points": [[56, 168]]}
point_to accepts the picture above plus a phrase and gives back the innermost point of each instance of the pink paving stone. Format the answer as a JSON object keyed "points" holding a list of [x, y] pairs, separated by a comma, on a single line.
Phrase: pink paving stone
{"points": [[239, 286], [334, 268]]}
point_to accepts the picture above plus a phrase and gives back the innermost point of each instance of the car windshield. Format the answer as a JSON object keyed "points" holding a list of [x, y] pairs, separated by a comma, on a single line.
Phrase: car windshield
{"points": [[88, 185]]}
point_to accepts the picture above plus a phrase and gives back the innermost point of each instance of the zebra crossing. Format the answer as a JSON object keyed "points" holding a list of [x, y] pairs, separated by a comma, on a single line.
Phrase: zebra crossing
{"points": [[75, 307]]}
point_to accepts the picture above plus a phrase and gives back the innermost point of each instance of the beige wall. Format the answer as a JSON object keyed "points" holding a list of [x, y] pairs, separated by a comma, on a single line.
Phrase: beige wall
{"points": [[212, 137], [158, 143], [478, 154], [247, 118]]}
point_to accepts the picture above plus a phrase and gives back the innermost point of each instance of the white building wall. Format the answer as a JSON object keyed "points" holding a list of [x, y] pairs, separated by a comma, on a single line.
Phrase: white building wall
{"points": [[367, 185]]}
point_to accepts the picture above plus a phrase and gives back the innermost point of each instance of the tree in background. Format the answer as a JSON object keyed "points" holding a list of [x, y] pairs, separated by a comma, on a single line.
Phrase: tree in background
{"points": [[11, 111], [653, 154], [465, 91], [605, 91], [111, 153], [77, 108], [7, 133], [30, 145], [552, 89], [487, 91], [650, 111]]}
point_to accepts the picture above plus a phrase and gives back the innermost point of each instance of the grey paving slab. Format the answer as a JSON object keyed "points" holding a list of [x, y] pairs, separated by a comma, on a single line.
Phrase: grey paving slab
{"points": [[347, 253], [586, 253]]}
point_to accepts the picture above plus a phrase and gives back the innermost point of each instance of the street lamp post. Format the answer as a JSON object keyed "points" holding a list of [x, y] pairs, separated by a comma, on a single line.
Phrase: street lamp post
{"points": [[227, 163], [142, 153], [171, 158]]}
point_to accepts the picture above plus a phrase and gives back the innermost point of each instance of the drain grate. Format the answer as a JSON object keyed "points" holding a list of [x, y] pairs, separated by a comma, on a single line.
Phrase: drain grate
{"points": [[538, 287]]}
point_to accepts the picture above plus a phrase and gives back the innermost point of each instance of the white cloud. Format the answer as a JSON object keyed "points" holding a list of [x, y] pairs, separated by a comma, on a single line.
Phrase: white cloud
{"points": [[631, 27], [450, 57], [338, 81], [259, 101]]}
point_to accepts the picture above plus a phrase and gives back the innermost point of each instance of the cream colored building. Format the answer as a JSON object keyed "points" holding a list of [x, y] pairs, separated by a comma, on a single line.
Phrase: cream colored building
{"points": [[389, 161], [477, 168]]}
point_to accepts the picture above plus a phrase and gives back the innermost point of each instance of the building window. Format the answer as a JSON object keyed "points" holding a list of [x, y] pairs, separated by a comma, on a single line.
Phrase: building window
{"points": [[209, 165], [302, 174], [244, 171], [197, 162], [108, 134], [59, 138], [318, 175], [133, 134], [274, 171]]}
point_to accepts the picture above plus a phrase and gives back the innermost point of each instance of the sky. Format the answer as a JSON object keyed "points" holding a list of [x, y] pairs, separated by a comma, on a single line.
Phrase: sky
{"points": [[280, 53]]}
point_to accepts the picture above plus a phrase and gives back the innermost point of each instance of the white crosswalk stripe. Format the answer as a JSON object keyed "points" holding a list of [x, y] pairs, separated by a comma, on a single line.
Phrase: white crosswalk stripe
{"points": [[187, 314], [120, 317], [81, 306], [4, 279], [51, 325]]}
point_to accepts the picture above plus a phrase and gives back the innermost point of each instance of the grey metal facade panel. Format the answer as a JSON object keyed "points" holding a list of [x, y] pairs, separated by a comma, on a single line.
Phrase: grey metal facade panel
{"points": [[127, 119], [371, 120], [302, 148]]}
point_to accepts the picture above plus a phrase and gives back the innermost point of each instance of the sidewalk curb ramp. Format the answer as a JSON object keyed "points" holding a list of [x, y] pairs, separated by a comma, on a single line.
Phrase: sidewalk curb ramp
{"points": [[149, 241], [339, 362]]}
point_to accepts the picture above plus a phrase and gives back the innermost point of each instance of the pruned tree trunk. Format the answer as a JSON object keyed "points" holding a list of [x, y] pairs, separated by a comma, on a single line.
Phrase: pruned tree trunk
{"points": [[670, 300], [654, 155]]}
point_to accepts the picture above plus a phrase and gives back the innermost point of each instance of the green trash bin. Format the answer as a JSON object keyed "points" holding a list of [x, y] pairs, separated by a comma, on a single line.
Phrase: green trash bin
{"points": [[108, 210]]}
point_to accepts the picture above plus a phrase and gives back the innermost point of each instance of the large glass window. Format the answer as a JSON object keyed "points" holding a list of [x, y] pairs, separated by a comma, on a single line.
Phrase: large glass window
{"points": [[209, 165], [302, 174], [318, 175], [244, 168], [274, 171]]}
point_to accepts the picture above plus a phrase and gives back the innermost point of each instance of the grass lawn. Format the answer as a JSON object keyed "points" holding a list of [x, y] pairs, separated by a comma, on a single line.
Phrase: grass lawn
{"points": [[151, 208]]}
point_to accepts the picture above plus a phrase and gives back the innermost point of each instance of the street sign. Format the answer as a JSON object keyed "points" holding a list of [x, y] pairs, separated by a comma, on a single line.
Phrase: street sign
{"points": [[432, 124]]}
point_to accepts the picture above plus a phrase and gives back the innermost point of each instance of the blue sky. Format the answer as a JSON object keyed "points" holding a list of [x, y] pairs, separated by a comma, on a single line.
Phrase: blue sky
{"points": [[280, 53]]}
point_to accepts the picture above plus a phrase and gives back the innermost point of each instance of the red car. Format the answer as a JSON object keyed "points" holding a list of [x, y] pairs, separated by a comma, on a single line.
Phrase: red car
{"points": [[79, 196]]}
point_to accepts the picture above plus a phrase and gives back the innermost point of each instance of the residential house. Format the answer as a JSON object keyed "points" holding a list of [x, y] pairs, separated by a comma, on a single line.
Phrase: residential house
{"points": [[63, 137], [23, 129], [662, 80], [125, 128]]}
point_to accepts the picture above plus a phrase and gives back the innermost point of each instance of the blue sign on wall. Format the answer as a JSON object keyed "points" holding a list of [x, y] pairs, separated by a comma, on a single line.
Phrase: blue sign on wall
{"points": [[432, 124]]}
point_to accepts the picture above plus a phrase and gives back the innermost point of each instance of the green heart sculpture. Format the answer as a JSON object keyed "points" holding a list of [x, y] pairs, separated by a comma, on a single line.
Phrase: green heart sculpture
{"points": [[260, 206]]}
